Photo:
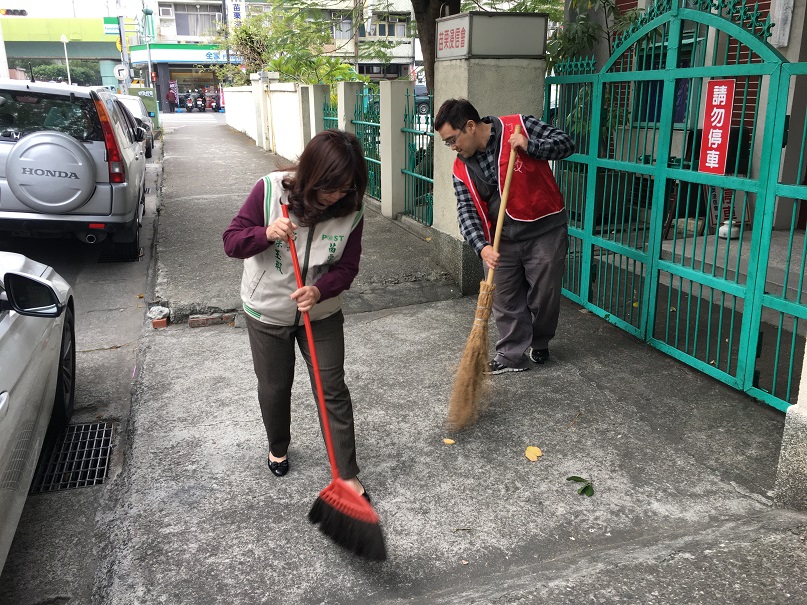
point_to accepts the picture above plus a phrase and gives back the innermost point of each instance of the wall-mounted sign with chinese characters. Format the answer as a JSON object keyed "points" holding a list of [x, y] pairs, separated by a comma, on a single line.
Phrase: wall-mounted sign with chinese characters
{"points": [[491, 35], [716, 126]]}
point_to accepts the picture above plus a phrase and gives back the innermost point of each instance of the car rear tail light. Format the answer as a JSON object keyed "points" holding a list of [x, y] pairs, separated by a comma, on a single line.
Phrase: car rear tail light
{"points": [[96, 225], [117, 171]]}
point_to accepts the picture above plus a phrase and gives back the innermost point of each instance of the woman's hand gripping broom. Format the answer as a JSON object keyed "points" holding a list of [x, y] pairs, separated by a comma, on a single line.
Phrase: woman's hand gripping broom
{"points": [[472, 382], [343, 515]]}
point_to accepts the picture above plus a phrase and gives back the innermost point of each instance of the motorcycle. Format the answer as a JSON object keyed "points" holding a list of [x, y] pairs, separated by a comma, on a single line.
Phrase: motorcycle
{"points": [[214, 104], [188, 104], [200, 103]]}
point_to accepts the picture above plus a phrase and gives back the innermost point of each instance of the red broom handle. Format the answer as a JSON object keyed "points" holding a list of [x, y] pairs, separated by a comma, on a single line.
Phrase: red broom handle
{"points": [[505, 194], [309, 332]]}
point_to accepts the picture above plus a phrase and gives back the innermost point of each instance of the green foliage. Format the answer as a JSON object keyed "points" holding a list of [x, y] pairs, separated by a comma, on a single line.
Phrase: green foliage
{"points": [[578, 38], [83, 73], [296, 40], [571, 40], [587, 489]]}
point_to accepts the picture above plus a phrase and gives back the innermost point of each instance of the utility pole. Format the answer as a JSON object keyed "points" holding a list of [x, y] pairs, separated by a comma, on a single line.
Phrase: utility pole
{"points": [[124, 44], [65, 40]]}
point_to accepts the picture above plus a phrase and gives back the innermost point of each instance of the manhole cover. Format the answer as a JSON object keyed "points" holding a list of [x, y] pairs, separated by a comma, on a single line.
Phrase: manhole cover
{"points": [[78, 458]]}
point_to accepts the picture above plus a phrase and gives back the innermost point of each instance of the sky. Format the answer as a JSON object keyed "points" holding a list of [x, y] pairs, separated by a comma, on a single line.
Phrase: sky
{"points": [[50, 9]]}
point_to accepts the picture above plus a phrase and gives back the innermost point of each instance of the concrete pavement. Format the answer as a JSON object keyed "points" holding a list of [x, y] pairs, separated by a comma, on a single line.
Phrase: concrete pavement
{"points": [[682, 466]]}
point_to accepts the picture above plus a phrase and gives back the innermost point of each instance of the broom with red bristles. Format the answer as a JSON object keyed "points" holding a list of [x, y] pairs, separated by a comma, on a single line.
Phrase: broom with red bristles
{"points": [[343, 515]]}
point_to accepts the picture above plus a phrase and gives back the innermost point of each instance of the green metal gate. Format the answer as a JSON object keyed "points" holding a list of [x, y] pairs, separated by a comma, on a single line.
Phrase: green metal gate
{"points": [[681, 258], [367, 122], [418, 132]]}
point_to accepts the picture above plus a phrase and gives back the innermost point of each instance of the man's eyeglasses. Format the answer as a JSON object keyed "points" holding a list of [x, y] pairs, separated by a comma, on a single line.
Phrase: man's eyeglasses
{"points": [[342, 190], [450, 142]]}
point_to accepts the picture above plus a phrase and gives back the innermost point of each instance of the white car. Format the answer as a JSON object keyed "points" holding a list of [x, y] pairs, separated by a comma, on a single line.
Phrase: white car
{"points": [[143, 117], [37, 376]]}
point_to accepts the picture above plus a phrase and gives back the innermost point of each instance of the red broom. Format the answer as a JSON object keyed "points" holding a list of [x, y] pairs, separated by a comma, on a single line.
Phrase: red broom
{"points": [[343, 515]]}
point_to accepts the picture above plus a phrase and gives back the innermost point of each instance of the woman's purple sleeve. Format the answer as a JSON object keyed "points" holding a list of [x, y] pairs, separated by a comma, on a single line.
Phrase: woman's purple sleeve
{"points": [[342, 273], [246, 235]]}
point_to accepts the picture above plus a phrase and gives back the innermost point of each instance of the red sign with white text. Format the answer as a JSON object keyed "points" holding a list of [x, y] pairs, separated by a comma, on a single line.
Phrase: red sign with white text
{"points": [[716, 126]]}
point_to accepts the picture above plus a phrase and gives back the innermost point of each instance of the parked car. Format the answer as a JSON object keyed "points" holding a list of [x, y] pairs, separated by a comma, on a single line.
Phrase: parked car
{"points": [[72, 161], [423, 101], [37, 372], [142, 116]]}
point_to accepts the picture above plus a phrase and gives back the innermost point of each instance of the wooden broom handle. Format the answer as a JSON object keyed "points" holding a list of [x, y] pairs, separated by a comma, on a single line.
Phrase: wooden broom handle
{"points": [[505, 194]]}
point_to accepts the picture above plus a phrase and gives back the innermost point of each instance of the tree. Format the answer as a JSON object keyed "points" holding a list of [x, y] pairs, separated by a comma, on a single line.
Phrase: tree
{"points": [[428, 11], [83, 73], [297, 40]]}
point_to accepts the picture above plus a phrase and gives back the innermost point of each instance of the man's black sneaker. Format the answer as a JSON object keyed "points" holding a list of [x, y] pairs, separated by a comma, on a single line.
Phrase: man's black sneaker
{"points": [[539, 355], [494, 367]]}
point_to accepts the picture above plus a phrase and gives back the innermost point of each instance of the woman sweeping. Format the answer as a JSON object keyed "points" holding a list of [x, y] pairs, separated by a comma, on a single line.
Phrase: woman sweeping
{"points": [[323, 194]]}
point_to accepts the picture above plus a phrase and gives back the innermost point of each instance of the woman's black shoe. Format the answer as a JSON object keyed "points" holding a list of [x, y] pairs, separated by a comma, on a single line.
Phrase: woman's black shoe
{"points": [[279, 468]]}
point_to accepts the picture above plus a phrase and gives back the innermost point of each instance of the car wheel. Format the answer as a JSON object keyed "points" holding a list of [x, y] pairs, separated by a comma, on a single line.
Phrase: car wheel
{"points": [[149, 146], [423, 109], [130, 250], [66, 381]]}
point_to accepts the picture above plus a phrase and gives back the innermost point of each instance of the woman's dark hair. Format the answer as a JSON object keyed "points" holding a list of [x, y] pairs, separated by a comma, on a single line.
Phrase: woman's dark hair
{"points": [[331, 160], [456, 112]]}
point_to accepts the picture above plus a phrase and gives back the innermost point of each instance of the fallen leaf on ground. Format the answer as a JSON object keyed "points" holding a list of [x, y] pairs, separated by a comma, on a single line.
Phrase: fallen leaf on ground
{"points": [[448, 441], [533, 453]]}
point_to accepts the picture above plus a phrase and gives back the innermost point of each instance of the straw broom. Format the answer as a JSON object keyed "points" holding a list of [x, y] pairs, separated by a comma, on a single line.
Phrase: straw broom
{"points": [[472, 382]]}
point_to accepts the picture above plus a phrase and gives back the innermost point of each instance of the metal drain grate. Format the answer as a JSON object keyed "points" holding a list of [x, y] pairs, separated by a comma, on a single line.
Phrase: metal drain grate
{"points": [[111, 256], [78, 458]]}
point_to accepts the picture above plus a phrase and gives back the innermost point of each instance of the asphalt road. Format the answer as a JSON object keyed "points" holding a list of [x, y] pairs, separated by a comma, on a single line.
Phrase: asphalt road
{"points": [[53, 546]]}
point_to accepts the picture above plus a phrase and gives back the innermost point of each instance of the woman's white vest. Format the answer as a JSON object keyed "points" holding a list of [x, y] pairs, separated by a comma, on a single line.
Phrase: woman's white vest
{"points": [[268, 279]]}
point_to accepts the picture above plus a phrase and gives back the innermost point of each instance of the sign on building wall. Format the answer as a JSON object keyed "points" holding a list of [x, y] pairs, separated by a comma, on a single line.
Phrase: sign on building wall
{"points": [[496, 35]]}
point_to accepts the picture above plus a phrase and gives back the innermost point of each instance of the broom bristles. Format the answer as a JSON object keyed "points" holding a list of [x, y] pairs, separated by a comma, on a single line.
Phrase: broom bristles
{"points": [[472, 384], [349, 520]]}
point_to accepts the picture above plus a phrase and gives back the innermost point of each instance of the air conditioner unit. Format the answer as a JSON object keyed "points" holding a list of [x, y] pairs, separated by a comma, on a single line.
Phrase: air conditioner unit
{"points": [[336, 16], [166, 11], [393, 19]]}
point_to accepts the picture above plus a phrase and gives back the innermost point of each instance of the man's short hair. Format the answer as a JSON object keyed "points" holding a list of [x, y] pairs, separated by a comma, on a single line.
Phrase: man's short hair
{"points": [[456, 112]]}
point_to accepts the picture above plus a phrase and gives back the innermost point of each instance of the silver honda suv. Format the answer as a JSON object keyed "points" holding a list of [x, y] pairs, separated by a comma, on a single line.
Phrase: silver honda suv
{"points": [[72, 160]]}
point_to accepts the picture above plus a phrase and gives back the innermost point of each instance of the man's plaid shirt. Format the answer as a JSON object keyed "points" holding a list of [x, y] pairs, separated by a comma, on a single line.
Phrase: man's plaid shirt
{"points": [[545, 143]]}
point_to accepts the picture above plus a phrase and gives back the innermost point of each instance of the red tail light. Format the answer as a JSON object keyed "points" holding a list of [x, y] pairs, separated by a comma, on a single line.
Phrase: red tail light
{"points": [[117, 171]]}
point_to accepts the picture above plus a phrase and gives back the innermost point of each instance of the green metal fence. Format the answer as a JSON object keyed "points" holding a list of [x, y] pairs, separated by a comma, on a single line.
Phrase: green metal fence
{"points": [[367, 122], [419, 171], [329, 112], [706, 267]]}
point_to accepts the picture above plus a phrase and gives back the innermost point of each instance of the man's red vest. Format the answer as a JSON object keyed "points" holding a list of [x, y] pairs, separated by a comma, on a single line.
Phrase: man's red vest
{"points": [[534, 193]]}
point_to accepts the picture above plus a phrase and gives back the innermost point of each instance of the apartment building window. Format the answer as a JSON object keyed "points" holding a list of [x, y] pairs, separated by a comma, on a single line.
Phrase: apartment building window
{"points": [[166, 10], [342, 26], [385, 26], [197, 19], [393, 70]]}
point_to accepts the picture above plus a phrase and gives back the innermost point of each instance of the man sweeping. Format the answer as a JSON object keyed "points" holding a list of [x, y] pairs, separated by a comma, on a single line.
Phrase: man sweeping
{"points": [[531, 254]]}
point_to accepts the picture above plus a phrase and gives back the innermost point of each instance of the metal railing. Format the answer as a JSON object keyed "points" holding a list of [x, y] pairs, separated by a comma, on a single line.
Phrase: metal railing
{"points": [[419, 170], [367, 123], [329, 112]]}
